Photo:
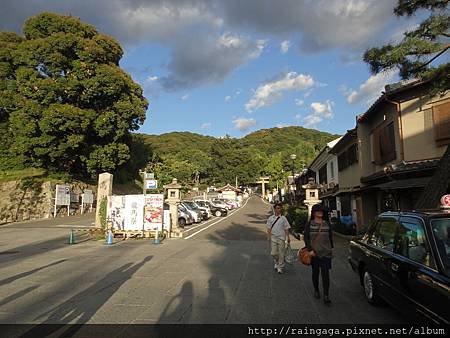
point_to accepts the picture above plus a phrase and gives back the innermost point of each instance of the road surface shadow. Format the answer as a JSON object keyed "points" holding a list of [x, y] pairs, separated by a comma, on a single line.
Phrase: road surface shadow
{"points": [[28, 273], [17, 295], [33, 249], [82, 306]]}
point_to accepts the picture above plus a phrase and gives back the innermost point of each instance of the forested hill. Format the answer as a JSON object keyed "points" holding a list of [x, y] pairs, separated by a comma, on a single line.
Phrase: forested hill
{"points": [[194, 158], [268, 141]]}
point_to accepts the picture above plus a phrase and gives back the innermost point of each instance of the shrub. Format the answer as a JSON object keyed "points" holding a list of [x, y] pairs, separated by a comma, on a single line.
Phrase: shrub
{"points": [[297, 216]]}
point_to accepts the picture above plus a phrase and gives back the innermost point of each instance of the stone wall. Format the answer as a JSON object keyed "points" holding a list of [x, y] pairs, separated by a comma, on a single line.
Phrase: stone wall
{"points": [[32, 199]]}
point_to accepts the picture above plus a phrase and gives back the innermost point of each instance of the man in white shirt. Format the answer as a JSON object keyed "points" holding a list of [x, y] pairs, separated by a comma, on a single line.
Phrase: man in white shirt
{"points": [[278, 233]]}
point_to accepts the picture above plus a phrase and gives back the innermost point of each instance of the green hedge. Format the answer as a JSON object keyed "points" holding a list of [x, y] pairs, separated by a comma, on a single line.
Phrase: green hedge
{"points": [[297, 216]]}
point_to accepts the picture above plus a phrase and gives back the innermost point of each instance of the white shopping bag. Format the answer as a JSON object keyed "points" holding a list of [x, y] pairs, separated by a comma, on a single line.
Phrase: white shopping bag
{"points": [[289, 255]]}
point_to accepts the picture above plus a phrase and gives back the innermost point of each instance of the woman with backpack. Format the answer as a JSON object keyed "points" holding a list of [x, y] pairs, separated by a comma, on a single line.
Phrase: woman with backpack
{"points": [[319, 242]]}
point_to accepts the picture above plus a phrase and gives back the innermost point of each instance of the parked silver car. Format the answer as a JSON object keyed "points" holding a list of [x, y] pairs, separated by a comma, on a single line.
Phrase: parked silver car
{"points": [[195, 213]]}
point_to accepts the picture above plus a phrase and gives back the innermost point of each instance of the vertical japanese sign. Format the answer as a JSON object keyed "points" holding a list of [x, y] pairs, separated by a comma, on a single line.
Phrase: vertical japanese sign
{"points": [[134, 212], [62, 197], [153, 212], [116, 211]]}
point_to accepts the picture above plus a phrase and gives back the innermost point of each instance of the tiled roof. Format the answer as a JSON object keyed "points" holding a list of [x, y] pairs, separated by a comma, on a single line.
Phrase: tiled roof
{"points": [[387, 94], [403, 167]]}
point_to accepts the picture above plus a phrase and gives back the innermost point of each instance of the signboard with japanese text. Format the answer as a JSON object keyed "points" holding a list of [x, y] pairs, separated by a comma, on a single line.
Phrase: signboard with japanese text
{"points": [[62, 196], [134, 212], [116, 212], [88, 197], [153, 212]]}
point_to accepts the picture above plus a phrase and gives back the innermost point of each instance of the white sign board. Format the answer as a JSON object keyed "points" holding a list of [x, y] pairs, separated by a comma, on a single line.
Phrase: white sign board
{"points": [[62, 195], [153, 212], [150, 176], [151, 184], [88, 197], [116, 211], [134, 212]]}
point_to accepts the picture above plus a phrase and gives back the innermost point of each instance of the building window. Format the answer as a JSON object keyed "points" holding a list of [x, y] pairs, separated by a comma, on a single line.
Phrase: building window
{"points": [[383, 145], [352, 154], [348, 157], [323, 174], [441, 117], [332, 169], [342, 161]]}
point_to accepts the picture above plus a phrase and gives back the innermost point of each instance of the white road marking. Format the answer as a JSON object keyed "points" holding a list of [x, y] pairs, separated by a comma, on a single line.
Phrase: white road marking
{"points": [[220, 220], [199, 225]]}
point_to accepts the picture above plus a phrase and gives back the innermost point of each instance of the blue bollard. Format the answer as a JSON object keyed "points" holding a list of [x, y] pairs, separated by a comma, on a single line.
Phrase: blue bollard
{"points": [[110, 238], [71, 237], [156, 241]]}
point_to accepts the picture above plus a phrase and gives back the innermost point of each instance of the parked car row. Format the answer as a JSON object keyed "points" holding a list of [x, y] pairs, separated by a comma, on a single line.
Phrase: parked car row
{"points": [[198, 210]]}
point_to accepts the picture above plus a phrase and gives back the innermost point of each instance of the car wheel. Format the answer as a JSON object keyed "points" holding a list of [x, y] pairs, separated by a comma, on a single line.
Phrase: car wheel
{"points": [[369, 288], [181, 222], [218, 213]]}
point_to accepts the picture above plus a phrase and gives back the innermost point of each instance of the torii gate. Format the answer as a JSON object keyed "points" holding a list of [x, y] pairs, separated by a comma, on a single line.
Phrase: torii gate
{"points": [[263, 180]]}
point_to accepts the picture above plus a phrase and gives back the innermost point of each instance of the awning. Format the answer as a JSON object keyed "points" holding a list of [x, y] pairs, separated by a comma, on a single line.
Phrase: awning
{"points": [[404, 184]]}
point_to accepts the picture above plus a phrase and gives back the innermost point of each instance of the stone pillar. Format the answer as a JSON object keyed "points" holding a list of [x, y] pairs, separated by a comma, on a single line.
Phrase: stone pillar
{"points": [[104, 189], [173, 199]]}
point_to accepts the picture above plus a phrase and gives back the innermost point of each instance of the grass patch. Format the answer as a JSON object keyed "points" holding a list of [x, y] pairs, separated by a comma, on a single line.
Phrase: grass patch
{"points": [[15, 175]]}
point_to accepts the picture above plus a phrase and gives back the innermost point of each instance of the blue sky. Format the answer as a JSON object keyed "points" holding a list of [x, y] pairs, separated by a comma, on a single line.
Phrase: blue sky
{"points": [[232, 67]]}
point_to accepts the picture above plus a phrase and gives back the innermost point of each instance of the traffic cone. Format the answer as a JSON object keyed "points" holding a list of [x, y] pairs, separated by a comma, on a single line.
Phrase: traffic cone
{"points": [[109, 238], [156, 241], [71, 237]]}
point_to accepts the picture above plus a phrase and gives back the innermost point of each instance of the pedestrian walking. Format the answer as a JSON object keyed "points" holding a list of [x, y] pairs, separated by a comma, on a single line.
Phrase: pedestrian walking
{"points": [[278, 234], [319, 241]]}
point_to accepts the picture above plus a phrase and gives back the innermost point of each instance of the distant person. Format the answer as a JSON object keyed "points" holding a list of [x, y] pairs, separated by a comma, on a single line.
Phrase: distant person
{"points": [[278, 233], [319, 241]]}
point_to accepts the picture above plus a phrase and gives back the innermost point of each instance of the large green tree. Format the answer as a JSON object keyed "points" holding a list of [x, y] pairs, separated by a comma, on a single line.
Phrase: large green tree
{"points": [[421, 51], [64, 100]]}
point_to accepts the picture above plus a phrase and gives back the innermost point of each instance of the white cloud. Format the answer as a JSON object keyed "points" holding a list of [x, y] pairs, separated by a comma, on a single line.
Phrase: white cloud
{"points": [[205, 125], [299, 102], [268, 93], [281, 125], [243, 124], [284, 46], [151, 78], [227, 98], [298, 116], [185, 97], [371, 89], [320, 112]]}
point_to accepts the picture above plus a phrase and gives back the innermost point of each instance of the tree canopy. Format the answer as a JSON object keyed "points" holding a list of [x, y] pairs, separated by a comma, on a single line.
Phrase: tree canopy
{"points": [[65, 103], [419, 53]]}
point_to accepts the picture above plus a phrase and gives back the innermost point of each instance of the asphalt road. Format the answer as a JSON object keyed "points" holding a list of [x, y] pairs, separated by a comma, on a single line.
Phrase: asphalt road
{"points": [[219, 273]]}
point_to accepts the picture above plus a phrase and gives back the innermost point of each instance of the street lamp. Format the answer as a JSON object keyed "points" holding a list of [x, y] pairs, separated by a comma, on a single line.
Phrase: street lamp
{"points": [[293, 157]]}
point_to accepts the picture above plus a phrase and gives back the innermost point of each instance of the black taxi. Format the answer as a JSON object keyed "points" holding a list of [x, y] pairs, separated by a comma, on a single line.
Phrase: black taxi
{"points": [[404, 259]]}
